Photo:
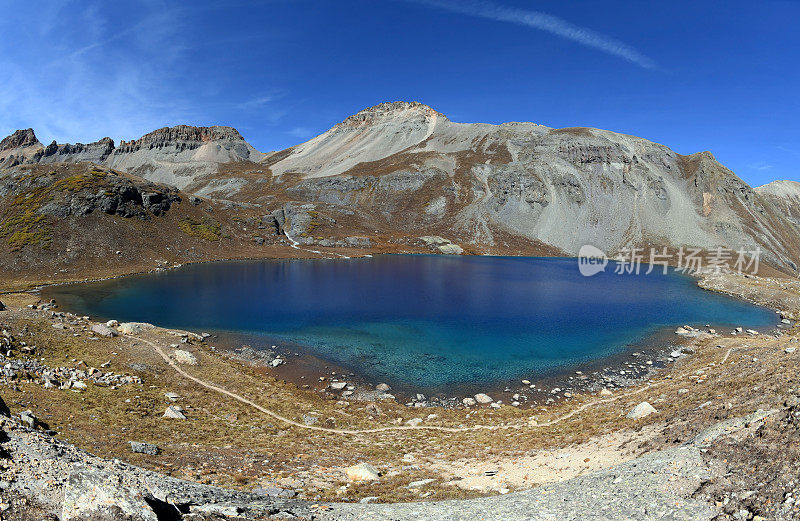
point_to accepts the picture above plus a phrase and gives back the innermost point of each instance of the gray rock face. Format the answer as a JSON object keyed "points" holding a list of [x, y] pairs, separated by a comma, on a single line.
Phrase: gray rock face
{"points": [[100, 496], [96, 152], [562, 187], [173, 155]]}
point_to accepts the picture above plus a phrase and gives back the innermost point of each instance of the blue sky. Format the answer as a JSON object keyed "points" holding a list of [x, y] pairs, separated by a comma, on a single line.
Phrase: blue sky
{"points": [[719, 76]]}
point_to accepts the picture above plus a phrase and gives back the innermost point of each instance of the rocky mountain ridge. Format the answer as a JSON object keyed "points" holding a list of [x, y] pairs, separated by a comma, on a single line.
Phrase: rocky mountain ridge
{"points": [[403, 168], [170, 155]]}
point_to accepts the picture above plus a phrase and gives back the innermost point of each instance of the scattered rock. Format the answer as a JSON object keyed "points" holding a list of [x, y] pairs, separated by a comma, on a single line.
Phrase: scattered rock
{"points": [[276, 362], [133, 328], [103, 330], [640, 411], [605, 392], [419, 484], [184, 357], [273, 491], [174, 412], [483, 398], [373, 410], [414, 422], [362, 472], [144, 448], [789, 350], [28, 419], [173, 397]]}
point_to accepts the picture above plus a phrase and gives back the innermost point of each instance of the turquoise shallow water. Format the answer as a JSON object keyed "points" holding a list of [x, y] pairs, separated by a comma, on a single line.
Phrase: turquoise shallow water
{"points": [[420, 321]]}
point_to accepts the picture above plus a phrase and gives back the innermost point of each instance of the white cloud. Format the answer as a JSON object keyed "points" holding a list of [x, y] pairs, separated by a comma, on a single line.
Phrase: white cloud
{"points": [[255, 102], [759, 165], [83, 75], [544, 22], [300, 132]]}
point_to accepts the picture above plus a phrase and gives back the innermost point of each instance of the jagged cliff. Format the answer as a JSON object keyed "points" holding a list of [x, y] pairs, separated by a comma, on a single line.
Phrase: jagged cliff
{"points": [[405, 170], [168, 155]]}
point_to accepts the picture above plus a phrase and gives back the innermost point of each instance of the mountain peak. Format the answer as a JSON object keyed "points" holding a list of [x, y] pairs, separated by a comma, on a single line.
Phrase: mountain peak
{"points": [[188, 133], [19, 139], [391, 111]]}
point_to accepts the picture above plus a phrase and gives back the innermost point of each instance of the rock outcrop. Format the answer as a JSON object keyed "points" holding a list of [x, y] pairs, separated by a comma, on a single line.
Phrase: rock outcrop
{"points": [[173, 155], [404, 169], [785, 196]]}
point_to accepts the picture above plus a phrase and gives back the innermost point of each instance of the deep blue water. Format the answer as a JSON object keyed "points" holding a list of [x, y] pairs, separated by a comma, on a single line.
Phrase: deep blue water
{"points": [[420, 321]]}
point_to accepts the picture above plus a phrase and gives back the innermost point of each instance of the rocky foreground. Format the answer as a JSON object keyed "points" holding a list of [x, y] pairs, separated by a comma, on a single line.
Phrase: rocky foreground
{"points": [[123, 433], [743, 468]]}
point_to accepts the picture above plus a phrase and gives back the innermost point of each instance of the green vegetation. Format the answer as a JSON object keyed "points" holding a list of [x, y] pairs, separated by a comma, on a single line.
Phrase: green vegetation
{"points": [[207, 228], [22, 224]]}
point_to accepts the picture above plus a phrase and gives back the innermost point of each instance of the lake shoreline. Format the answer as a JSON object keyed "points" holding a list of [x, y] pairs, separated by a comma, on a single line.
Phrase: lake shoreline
{"points": [[631, 364]]}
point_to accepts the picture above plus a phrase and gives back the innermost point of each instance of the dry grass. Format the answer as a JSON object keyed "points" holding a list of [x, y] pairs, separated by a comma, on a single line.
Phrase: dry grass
{"points": [[210, 446]]}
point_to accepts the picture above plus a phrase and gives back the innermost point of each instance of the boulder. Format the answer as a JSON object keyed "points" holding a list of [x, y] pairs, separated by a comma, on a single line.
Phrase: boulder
{"points": [[469, 402], [483, 398], [605, 392], [362, 472], [413, 422], [2, 306], [338, 386], [103, 330], [176, 413], [101, 496], [133, 328], [144, 448], [421, 483], [383, 387], [184, 357], [28, 419], [640, 411]]}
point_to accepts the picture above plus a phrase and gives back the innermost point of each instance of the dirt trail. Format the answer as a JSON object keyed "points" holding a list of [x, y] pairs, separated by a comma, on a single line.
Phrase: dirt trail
{"points": [[273, 414]]}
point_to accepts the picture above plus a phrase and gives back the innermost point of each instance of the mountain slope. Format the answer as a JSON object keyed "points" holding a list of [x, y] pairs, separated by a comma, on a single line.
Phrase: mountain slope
{"points": [[405, 167], [785, 196], [173, 155], [399, 171]]}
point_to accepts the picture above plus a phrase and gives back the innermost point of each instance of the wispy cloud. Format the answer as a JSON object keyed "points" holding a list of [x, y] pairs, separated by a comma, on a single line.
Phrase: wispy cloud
{"points": [[544, 22], [300, 132], [760, 166], [255, 102], [85, 74], [788, 150]]}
